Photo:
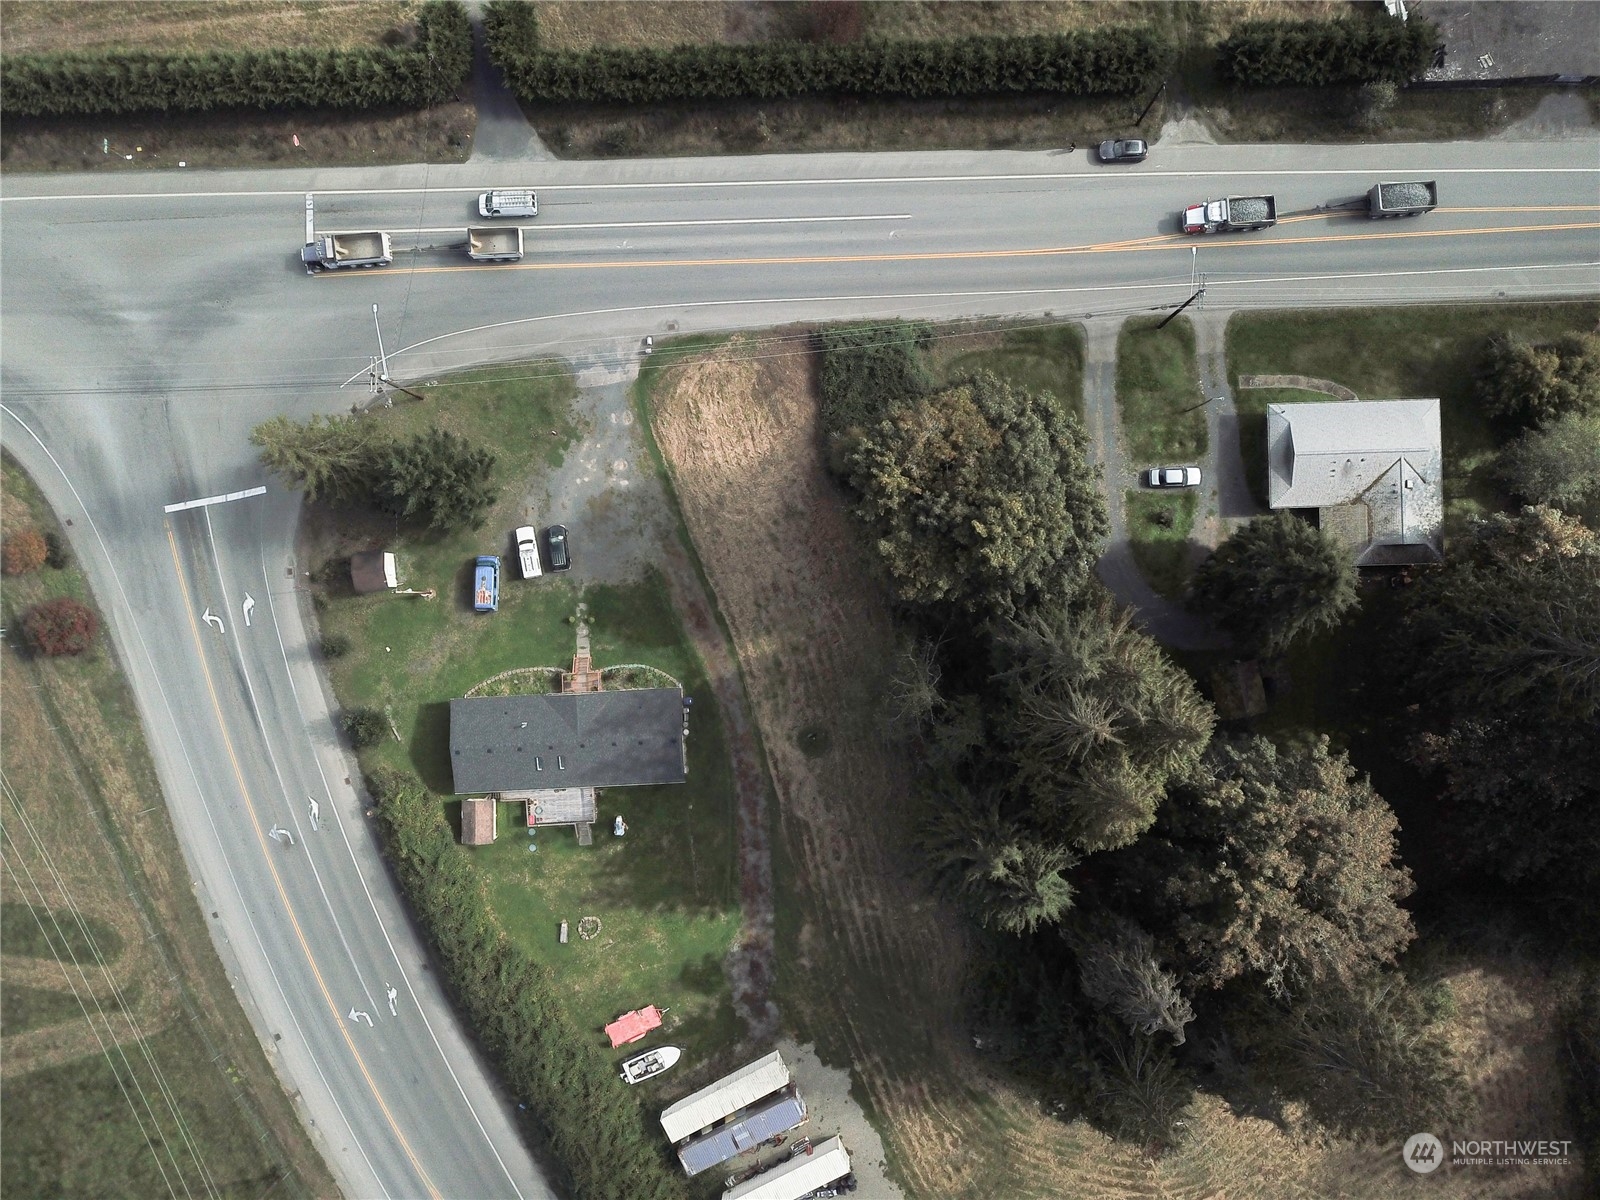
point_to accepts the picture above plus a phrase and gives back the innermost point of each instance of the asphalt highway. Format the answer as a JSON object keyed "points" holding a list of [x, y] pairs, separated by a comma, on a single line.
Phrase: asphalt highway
{"points": [[148, 321]]}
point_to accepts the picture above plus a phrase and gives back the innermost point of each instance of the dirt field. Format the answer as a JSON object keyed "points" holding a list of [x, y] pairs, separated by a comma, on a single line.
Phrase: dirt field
{"points": [[870, 966], [47, 26]]}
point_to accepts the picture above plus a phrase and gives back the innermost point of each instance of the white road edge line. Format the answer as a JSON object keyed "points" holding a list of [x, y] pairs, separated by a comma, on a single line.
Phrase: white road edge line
{"points": [[1019, 177]]}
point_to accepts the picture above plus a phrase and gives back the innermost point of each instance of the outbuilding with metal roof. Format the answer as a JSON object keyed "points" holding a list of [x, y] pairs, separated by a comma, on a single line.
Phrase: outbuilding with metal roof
{"points": [[750, 1083]]}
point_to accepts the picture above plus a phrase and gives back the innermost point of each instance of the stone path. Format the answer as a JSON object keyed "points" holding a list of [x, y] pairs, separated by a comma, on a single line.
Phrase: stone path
{"points": [[503, 133]]}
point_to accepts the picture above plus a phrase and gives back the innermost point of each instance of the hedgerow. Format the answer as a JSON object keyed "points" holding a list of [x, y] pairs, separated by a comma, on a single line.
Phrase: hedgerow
{"points": [[429, 71], [1315, 53], [1114, 60]]}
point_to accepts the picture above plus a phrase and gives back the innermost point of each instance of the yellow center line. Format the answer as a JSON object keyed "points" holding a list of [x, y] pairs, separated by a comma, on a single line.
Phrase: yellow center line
{"points": [[1166, 241], [283, 895]]}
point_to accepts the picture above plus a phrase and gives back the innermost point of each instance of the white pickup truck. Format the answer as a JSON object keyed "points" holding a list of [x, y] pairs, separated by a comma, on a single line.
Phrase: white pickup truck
{"points": [[528, 552]]}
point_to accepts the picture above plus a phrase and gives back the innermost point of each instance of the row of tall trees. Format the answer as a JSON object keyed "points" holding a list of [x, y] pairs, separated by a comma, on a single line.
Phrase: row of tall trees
{"points": [[1550, 390], [428, 68], [436, 480], [1119, 59], [1359, 49]]}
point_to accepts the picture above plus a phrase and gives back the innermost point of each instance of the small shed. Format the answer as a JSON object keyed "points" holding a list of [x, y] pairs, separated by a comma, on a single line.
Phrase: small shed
{"points": [[799, 1176], [479, 821], [743, 1131], [750, 1083], [632, 1026], [373, 571]]}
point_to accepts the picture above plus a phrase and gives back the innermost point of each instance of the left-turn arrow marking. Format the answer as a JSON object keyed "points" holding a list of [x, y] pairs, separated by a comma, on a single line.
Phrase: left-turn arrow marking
{"points": [[211, 618]]}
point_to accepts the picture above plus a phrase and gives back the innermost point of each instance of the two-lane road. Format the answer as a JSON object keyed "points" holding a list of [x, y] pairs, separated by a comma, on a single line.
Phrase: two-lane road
{"points": [[149, 321]]}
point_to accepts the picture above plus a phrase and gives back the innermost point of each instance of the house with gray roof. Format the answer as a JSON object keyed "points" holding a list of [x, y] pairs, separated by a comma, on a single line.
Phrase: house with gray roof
{"points": [[568, 740], [1372, 469]]}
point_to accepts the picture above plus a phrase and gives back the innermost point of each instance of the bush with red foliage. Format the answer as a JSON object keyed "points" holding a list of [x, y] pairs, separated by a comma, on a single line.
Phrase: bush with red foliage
{"points": [[23, 552], [60, 626]]}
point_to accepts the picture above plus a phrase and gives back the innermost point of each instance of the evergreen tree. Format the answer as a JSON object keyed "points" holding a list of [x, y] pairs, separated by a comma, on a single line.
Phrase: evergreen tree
{"points": [[331, 458], [1007, 878], [1274, 580], [1095, 722], [437, 479], [1119, 973]]}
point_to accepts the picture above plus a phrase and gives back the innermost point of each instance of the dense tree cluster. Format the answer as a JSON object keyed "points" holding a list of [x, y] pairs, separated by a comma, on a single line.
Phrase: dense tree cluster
{"points": [[1316, 53], [979, 498], [1273, 581], [1536, 382], [411, 74], [1116, 59], [1502, 648], [1557, 464], [436, 480], [1275, 862]]}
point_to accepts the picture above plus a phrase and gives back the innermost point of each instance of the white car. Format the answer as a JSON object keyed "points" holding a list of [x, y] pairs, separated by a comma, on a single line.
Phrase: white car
{"points": [[1169, 477], [528, 552]]}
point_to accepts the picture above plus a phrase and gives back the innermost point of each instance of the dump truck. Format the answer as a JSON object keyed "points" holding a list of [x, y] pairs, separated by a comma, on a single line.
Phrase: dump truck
{"points": [[1231, 215], [330, 251], [495, 243], [1410, 199]]}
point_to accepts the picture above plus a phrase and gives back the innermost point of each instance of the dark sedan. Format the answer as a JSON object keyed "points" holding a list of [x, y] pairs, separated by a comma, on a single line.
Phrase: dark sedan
{"points": [[555, 540], [1130, 150]]}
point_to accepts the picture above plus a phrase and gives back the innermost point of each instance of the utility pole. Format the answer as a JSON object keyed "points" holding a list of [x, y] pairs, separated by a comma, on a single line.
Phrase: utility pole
{"points": [[383, 360], [1200, 291], [1152, 104]]}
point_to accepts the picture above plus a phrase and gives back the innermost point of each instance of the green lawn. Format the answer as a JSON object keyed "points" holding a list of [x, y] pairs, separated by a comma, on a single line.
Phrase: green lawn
{"points": [[1158, 393], [1393, 354], [1163, 424], [1160, 549], [667, 893], [1040, 359]]}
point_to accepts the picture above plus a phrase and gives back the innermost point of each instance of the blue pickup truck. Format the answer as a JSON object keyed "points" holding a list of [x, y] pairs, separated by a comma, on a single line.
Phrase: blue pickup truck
{"points": [[486, 584]]}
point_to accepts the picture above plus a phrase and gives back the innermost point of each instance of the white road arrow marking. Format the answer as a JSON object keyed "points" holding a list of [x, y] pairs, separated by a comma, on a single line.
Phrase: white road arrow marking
{"points": [[279, 835], [316, 811], [357, 1015], [211, 618], [392, 996], [249, 603]]}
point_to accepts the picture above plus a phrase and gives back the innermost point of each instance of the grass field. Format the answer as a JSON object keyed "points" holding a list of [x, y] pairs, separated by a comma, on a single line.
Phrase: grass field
{"points": [[1392, 354], [666, 894], [128, 1067], [1041, 358], [1159, 523]]}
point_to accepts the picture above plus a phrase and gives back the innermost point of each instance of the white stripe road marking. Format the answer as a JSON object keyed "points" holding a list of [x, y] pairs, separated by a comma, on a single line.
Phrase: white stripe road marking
{"points": [[209, 500], [1021, 177], [543, 227]]}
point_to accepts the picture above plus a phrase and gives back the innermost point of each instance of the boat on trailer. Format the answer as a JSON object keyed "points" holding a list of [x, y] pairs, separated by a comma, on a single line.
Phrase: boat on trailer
{"points": [[651, 1062]]}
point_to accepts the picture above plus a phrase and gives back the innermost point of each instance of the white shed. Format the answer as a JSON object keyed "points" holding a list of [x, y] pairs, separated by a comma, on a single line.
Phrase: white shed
{"points": [[727, 1095], [798, 1176]]}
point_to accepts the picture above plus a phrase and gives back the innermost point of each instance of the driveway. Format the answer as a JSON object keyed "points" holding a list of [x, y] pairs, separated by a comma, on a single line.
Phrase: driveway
{"points": [[1169, 623]]}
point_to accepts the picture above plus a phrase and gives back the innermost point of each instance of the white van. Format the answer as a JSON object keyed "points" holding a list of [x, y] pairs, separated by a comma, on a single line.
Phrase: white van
{"points": [[528, 552], [512, 202]]}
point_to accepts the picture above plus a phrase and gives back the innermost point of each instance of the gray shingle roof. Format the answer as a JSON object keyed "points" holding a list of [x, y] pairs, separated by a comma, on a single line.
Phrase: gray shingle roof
{"points": [[1377, 460], [586, 739]]}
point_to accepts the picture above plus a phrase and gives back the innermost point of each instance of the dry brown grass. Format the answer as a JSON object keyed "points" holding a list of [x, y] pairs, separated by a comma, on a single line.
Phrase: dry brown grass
{"points": [[878, 964], [44, 26]]}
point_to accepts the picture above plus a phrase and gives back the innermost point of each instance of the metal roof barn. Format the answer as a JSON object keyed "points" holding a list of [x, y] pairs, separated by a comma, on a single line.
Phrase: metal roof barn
{"points": [[751, 1082], [742, 1133], [799, 1176]]}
